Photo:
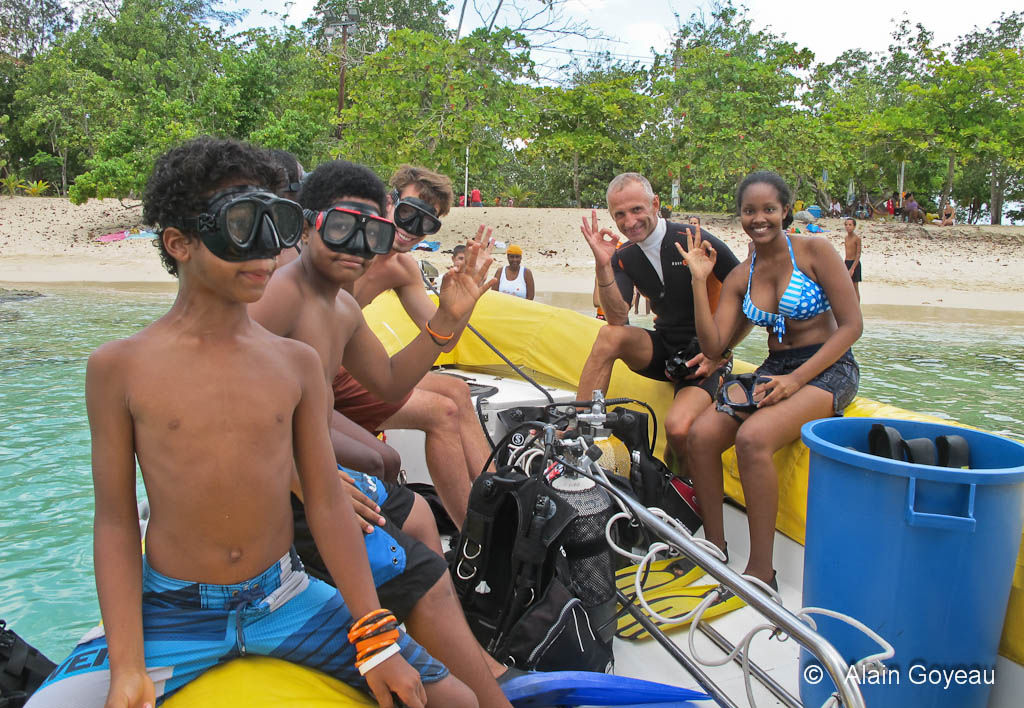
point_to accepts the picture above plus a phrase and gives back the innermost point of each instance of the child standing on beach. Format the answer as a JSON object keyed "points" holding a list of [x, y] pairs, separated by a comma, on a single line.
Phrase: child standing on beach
{"points": [[220, 414], [853, 247]]}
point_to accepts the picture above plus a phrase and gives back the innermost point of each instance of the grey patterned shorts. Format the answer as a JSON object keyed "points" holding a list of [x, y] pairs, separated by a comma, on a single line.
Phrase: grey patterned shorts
{"points": [[841, 379]]}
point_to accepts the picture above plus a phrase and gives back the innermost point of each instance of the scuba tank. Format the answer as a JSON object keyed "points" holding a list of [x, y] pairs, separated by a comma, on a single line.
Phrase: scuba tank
{"points": [[587, 550]]}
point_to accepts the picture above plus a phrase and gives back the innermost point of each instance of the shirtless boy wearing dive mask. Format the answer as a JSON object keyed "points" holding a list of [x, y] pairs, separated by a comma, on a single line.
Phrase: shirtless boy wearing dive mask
{"points": [[223, 418], [306, 300], [440, 405], [354, 447]]}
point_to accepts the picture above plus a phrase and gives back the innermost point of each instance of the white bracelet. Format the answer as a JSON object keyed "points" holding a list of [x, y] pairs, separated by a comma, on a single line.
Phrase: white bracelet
{"points": [[378, 659]]}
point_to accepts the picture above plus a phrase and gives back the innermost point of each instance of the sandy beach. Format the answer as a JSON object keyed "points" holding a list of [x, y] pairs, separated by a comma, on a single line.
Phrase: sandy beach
{"points": [[49, 240]]}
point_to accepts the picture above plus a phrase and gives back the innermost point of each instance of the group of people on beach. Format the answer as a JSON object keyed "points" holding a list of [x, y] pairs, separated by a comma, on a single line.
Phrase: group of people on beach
{"points": [[900, 206], [252, 470]]}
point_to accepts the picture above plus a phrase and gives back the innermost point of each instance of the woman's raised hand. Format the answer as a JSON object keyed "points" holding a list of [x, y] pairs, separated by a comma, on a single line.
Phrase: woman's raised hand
{"points": [[700, 255]]}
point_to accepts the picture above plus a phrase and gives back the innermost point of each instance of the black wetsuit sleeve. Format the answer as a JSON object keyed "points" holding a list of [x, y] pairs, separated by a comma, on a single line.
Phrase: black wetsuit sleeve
{"points": [[623, 282], [726, 259]]}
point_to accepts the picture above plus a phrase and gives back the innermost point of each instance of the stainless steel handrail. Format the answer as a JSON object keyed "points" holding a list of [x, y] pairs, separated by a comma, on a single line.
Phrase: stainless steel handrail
{"points": [[756, 671], [755, 597]]}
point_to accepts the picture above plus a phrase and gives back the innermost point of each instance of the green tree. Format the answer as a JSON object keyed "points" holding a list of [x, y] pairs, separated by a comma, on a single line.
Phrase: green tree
{"points": [[282, 87], [379, 18], [726, 102], [970, 108], [27, 27], [52, 104], [153, 76], [424, 99], [595, 121]]}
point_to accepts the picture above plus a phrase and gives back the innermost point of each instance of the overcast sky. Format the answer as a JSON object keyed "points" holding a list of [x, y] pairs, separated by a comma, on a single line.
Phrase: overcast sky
{"points": [[827, 28]]}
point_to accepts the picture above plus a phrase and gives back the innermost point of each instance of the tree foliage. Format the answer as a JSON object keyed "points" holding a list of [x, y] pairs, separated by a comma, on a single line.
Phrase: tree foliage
{"points": [[593, 127], [27, 27], [87, 100], [424, 99]]}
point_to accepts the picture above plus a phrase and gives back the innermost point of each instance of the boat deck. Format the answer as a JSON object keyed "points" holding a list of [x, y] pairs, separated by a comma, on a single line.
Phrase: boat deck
{"points": [[646, 659]]}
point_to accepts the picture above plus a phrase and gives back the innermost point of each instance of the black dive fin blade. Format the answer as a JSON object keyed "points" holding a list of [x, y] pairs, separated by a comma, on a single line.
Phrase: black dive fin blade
{"points": [[920, 451], [953, 451], [884, 441]]}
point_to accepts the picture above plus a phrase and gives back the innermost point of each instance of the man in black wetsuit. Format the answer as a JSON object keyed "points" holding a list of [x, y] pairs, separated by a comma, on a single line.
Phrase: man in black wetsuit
{"points": [[651, 263]]}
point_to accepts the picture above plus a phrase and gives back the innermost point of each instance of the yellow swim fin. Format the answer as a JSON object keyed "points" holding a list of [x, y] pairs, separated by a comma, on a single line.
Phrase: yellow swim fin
{"points": [[678, 572], [674, 600]]}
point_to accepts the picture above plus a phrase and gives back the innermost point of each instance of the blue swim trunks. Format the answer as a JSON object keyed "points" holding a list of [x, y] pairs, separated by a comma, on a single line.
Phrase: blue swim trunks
{"points": [[404, 569], [192, 627]]}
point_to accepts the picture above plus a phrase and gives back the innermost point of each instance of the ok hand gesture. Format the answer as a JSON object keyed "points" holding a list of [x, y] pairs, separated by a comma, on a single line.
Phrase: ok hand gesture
{"points": [[700, 255], [601, 241]]}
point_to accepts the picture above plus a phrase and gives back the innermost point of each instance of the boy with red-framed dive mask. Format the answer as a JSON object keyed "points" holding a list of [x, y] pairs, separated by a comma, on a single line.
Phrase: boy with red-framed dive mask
{"points": [[440, 405], [346, 227]]}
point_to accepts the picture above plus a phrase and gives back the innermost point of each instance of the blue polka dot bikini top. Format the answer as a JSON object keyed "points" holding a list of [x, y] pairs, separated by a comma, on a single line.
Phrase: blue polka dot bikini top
{"points": [[802, 299]]}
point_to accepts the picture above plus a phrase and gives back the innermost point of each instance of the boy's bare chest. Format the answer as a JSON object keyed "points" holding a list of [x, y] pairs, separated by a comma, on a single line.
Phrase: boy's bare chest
{"points": [[327, 330], [242, 398]]}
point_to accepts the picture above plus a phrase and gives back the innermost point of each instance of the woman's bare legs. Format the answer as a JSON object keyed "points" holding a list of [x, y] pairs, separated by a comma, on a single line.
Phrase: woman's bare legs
{"points": [[761, 435]]}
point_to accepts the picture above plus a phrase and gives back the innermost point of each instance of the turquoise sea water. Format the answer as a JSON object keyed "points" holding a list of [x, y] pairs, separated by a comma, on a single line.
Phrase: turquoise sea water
{"points": [[962, 365]]}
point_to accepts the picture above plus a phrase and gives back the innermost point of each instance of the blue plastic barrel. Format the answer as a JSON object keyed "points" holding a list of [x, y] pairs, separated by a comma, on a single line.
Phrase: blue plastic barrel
{"points": [[923, 555], [815, 211]]}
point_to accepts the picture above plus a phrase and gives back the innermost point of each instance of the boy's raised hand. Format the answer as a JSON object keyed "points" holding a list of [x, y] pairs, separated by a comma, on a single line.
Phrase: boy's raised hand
{"points": [[130, 689], [601, 241], [395, 675], [463, 285], [700, 255]]}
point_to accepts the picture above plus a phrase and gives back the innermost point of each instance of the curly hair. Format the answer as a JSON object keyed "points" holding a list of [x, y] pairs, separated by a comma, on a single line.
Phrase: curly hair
{"points": [[772, 179], [435, 188], [337, 179], [184, 176], [293, 172]]}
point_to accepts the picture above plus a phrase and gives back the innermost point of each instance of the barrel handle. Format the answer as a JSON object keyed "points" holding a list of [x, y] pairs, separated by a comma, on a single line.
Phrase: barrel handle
{"points": [[939, 521]]}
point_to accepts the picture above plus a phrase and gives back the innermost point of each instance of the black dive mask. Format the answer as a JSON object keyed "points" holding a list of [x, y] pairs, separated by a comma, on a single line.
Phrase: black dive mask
{"points": [[353, 228], [675, 366], [414, 216], [737, 391], [247, 223]]}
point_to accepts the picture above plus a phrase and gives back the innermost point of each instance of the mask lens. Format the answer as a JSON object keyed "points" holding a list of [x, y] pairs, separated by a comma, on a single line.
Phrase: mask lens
{"points": [[239, 221], [430, 225], [406, 215], [288, 220], [338, 226], [415, 220], [379, 235], [735, 394]]}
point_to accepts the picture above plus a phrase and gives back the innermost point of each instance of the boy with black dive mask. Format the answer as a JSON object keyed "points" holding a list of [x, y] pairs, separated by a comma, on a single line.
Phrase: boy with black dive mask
{"points": [[307, 300], [223, 417], [440, 405]]}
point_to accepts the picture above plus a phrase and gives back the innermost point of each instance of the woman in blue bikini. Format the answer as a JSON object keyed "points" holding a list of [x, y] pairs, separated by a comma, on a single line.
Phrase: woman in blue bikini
{"points": [[798, 288]]}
